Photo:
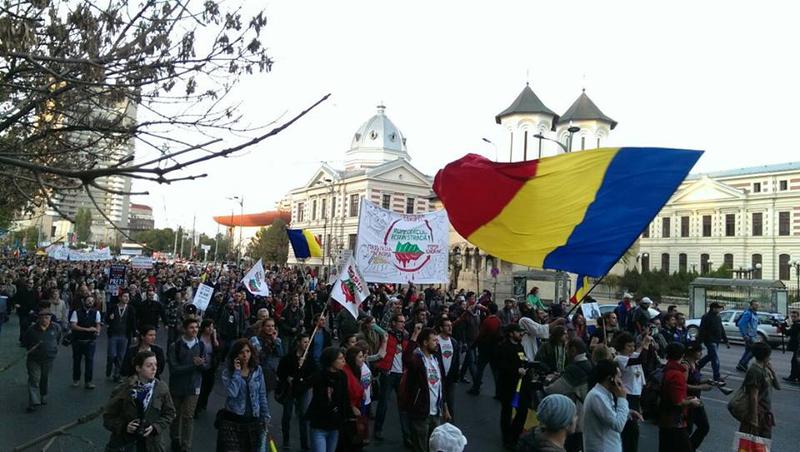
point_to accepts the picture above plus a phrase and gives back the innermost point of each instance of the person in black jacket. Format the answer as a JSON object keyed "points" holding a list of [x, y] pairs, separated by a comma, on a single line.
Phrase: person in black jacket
{"points": [[42, 340], [24, 301], [147, 342], [121, 321], [187, 356], [329, 401], [712, 334], [295, 373], [510, 369], [149, 311], [794, 344]]}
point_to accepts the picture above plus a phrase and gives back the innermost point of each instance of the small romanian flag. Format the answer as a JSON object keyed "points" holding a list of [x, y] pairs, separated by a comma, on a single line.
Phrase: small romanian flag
{"points": [[304, 243], [576, 212], [582, 287]]}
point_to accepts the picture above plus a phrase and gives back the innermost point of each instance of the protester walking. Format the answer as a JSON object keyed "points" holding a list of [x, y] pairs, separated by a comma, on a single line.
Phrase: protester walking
{"points": [[243, 424], [712, 333], [793, 331], [208, 338], [391, 369], [186, 357], [86, 326], [605, 410], [329, 401], [42, 340], [423, 394], [673, 411], [121, 326], [146, 343], [748, 327], [295, 374], [759, 381], [140, 409], [557, 417], [448, 349]]}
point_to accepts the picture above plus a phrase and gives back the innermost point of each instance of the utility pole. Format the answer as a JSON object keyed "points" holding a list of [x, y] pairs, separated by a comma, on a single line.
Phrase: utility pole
{"points": [[216, 244], [194, 245], [182, 243], [175, 246]]}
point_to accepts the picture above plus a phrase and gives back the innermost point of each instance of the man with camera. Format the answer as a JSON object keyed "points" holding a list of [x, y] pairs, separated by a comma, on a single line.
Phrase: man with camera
{"points": [[793, 331]]}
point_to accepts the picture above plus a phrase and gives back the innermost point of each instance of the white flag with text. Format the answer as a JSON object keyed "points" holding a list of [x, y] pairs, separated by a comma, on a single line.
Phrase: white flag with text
{"points": [[255, 282], [350, 289]]}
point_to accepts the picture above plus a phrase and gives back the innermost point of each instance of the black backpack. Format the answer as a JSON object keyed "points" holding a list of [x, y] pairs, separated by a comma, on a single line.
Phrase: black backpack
{"points": [[651, 393]]}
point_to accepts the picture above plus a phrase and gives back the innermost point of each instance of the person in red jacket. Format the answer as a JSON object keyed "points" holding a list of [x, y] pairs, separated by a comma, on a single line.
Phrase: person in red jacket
{"points": [[390, 371], [350, 438], [423, 390], [489, 336], [675, 401]]}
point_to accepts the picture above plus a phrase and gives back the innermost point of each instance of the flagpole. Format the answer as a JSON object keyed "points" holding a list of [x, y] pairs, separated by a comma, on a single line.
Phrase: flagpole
{"points": [[314, 333], [586, 295]]}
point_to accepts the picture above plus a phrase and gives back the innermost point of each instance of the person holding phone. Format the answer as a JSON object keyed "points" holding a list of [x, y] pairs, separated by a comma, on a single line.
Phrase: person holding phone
{"points": [[605, 410]]}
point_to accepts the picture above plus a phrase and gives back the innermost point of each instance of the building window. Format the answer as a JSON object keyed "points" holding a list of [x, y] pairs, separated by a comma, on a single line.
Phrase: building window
{"points": [[704, 267], [314, 209], [730, 225], [684, 226], [783, 267], [665, 262], [783, 185], [756, 187], [351, 241], [727, 261], [646, 232], [758, 224], [783, 223], [665, 226], [645, 262], [682, 262], [386, 202], [353, 206], [323, 212], [706, 225], [410, 205], [756, 262], [300, 211]]}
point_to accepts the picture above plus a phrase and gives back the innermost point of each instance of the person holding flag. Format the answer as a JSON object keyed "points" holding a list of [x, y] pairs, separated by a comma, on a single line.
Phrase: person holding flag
{"points": [[510, 372]]}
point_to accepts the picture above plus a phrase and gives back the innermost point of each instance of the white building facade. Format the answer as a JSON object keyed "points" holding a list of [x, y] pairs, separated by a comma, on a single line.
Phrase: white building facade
{"points": [[747, 219], [377, 168]]}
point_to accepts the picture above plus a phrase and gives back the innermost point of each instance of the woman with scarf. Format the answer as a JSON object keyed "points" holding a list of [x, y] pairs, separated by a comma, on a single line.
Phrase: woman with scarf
{"points": [[353, 433], [242, 424], [140, 409]]}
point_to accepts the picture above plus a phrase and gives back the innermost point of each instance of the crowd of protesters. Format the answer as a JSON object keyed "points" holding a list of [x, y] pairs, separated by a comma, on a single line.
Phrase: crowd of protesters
{"points": [[337, 376]]}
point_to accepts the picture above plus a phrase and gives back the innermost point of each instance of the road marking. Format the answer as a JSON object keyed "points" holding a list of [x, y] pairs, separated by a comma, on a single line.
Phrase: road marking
{"points": [[711, 399]]}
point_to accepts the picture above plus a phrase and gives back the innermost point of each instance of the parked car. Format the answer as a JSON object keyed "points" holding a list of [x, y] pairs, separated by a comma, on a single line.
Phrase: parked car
{"points": [[767, 329]]}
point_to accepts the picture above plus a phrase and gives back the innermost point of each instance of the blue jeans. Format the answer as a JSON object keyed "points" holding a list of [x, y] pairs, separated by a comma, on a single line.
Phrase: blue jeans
{"points": [[324, 440], [485, 357], [747, 355], [117, 346], [469, 363], [712, 355], [390, 382], [298, 404], [82, 349]]}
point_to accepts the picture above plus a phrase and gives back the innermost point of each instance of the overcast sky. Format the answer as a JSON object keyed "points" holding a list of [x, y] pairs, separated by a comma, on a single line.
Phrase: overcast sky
{"points": [[713, 75]]}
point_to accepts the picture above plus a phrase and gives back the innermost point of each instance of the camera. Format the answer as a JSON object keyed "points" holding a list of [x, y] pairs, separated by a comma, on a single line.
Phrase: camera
{"points": [[142, 428]]}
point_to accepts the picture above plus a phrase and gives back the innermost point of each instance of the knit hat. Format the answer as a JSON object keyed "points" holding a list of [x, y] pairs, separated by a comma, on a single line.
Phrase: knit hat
{"points": [[556, 412], [447, 438]]}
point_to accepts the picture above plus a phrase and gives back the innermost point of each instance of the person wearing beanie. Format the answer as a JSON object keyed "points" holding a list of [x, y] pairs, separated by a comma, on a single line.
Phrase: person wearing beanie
{"points": [[557, 416]]}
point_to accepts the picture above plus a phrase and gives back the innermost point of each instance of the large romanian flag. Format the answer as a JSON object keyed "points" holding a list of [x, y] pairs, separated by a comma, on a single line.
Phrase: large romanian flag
{"points": [[577, 212], [304, 243]]}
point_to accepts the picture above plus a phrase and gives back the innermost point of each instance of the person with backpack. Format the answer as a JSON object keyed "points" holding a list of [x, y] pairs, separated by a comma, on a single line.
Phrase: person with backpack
{"points": [[755, 396], [574, 383], [748, 327]]}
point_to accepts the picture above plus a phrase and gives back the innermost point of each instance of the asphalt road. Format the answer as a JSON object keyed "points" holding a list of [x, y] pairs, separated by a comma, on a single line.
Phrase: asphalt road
{"points": [[476, 416]]}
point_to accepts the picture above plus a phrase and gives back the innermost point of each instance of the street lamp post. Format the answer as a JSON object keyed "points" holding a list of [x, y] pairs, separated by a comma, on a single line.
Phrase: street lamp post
{"points": [[566, 148], [796, 265], [240, 199], [326, 243], [494, 145]]}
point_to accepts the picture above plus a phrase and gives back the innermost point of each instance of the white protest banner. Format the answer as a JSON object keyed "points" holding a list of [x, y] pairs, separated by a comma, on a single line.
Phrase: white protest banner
{"points": [[203, 296], [402, 248], [142, 262], [255, 282], [350, 290]]}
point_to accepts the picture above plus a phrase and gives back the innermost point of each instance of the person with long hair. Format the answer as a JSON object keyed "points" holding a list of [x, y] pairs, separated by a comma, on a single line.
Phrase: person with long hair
{"points": [[759, 381], [242, 425], [269, 349], [295, 373], [329, 401], [697, 423], [352, 433], [208, 337], [140, 409]]}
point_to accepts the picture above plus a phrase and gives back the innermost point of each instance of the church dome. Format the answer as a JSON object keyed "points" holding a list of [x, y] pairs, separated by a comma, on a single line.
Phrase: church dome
{"points": [[379, 132], [377, 141]]}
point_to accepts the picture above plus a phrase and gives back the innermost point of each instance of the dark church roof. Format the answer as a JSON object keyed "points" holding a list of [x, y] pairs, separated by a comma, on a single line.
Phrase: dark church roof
{"points": [[584, 109], [526, 102]]}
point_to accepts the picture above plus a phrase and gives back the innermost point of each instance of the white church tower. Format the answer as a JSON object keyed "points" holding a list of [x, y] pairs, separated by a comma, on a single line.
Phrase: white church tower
{"points": [[593, 125], [525, 117]]}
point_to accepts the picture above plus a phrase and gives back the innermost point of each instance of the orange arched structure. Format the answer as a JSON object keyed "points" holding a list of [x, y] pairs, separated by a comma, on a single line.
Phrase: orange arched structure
{"points": [[253, 219]]}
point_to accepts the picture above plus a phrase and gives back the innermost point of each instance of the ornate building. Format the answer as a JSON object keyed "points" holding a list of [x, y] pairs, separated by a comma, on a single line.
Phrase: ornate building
{"points": [[377, 166], [747, 219]]}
